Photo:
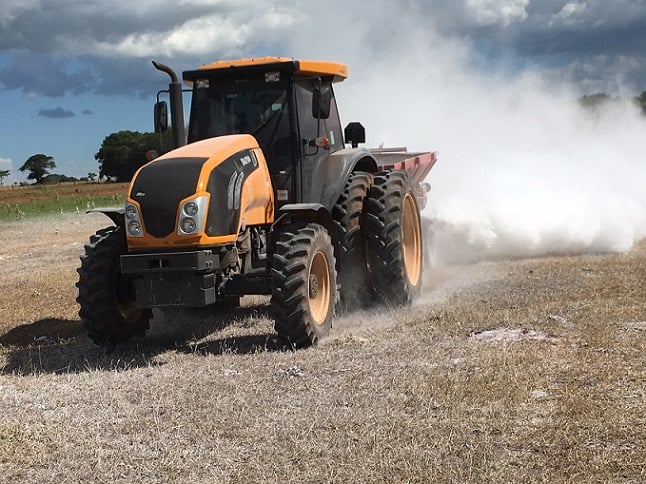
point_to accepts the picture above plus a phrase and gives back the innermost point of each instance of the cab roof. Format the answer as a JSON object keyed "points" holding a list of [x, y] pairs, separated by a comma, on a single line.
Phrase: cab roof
{"points": [[300, 68]]}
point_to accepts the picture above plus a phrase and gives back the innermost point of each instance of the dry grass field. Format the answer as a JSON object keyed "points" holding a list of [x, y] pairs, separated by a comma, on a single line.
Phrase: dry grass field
{"points": [[510, 371], [23, 202]]}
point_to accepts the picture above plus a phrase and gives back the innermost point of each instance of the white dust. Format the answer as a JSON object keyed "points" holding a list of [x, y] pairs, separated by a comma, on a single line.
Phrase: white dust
{"points": [[523, 170]]}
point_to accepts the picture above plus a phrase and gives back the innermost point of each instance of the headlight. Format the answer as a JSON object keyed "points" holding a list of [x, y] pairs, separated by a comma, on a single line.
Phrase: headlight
{"points": [[191, 209], [131, 212], [134, 228], [188, 225]]}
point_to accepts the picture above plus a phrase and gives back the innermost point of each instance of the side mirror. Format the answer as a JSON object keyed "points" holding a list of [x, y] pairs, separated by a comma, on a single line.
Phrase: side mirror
{"points": [[321, 100], [161, 117], [354, 133]]}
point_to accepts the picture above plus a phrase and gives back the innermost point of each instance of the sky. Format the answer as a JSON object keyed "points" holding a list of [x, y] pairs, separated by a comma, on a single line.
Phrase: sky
{"points": [[490, 84]]}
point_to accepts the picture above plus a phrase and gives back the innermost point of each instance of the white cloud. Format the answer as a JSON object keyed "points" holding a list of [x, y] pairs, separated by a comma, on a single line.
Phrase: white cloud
{"points": [[572, 13], [497, 12], [231, 32]]}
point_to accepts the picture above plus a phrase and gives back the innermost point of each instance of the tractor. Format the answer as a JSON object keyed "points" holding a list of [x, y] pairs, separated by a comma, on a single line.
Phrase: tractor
{"points": [[264, 194]]}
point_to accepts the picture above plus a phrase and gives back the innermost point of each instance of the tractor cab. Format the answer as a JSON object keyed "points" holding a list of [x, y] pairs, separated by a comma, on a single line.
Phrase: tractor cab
{"points": [[287, 105]]}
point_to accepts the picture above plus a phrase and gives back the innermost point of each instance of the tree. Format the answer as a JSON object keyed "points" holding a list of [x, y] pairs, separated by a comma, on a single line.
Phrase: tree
{"points": [[4, 174], [595, 100], [122, 153], [38, 167], [55, 179], [91, 176], [641, 101]]}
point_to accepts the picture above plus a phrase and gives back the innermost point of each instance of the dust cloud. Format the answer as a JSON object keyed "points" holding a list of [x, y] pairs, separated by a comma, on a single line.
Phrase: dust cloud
{"points": [[524, 170]]}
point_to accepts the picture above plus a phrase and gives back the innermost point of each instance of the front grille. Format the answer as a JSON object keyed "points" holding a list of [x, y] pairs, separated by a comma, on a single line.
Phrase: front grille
{"points": [[159, 188]]}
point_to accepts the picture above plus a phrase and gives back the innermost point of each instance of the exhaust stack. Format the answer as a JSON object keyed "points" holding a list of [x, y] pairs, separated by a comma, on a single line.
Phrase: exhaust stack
{"points": [[176, 105]]}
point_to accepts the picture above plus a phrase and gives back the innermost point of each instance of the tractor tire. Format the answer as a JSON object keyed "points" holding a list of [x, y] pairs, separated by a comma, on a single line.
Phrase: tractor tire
{"points": [[106, 296], [353, 274], [304, 289], [394, 238]]}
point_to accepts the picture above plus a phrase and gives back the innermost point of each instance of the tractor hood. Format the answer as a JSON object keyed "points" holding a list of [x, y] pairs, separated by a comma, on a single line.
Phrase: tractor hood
{"points": [[211, 174]]}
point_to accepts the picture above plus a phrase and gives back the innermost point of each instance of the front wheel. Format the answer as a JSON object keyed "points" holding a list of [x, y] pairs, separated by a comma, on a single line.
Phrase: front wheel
{"points": [[106, 296], [304, 287]]}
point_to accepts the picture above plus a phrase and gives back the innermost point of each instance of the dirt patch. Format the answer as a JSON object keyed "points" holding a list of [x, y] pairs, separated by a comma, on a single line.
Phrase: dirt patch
{"points": [[508, 335]]}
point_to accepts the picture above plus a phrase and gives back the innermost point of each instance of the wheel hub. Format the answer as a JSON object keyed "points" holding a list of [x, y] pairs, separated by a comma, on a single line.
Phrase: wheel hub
{"points": [[319, 290], [314, 286]]}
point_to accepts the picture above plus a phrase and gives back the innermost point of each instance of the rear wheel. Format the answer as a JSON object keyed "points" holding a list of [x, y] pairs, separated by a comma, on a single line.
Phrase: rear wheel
{"points": [[394, 237], [106, 296], [354, 276], [304, 289]]}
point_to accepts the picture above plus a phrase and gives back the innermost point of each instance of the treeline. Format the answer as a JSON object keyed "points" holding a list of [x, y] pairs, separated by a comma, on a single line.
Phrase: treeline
{"points": [[601, 98], [121, 154]]}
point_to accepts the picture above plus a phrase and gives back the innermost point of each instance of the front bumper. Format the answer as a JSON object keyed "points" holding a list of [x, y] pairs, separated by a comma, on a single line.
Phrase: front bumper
{"points": [[177, 279]]}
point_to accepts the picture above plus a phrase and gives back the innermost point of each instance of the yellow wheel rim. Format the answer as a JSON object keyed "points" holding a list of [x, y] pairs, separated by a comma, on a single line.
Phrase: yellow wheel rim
{"points": [[319, 288], [127, 308], [411, 240]]}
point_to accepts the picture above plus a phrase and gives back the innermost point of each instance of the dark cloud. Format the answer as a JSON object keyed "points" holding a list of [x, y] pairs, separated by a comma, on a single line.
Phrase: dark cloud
{"points": [[76, 25], [56, 113], [87, 112], [48, 75], [82, 46], [56, 76]]}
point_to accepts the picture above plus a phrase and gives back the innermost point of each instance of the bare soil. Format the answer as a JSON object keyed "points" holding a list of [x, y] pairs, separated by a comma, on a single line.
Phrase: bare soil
{"points": [[509, 371]]}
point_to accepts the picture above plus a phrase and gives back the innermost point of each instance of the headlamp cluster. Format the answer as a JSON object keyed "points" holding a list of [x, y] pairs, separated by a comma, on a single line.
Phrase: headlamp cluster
{"points": [[133, 221], [192, 215]]}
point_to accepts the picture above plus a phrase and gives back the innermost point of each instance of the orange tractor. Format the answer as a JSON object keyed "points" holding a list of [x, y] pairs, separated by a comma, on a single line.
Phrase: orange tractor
{"points": [[263, 198]]}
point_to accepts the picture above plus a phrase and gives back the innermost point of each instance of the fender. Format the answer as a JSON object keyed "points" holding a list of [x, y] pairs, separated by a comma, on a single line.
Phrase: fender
{"points": [[117, 215], [339, 166], [307, 212]]}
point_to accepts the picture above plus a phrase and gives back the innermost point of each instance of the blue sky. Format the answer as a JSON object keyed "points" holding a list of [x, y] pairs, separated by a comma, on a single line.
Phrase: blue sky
{"points": [[74, 71]]}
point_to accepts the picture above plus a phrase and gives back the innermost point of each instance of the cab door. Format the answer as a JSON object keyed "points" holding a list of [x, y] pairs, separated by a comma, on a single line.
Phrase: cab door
{"points": [[319, 135]]}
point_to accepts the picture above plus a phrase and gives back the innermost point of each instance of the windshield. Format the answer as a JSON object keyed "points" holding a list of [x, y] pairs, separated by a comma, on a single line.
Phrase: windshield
{"points": [[236, 106]]}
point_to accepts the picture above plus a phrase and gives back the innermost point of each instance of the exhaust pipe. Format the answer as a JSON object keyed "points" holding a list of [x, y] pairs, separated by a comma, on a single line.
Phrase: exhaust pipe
{"points": [[176, 105]]}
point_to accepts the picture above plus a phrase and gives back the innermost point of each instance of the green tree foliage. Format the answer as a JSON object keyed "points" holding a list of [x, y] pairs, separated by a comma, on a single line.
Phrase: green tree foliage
{"points": [[55, 179], [595, 100], [641, 102], [38, 167], [4, 174], [122, 153], [599, 99]]}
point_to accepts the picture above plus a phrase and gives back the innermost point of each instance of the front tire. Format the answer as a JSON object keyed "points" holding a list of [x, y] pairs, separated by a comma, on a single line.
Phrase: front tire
{"points": [[106, 296], [394, 238], [304, 288]]}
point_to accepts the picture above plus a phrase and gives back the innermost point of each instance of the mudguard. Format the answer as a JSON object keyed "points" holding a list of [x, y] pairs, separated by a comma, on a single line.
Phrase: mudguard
{"points": [[340, 165], [117, 215]]}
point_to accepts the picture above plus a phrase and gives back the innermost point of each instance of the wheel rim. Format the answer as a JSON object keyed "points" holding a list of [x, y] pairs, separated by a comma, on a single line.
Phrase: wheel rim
{"points": [[126, 305], [411, 240], [319, 288]]}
